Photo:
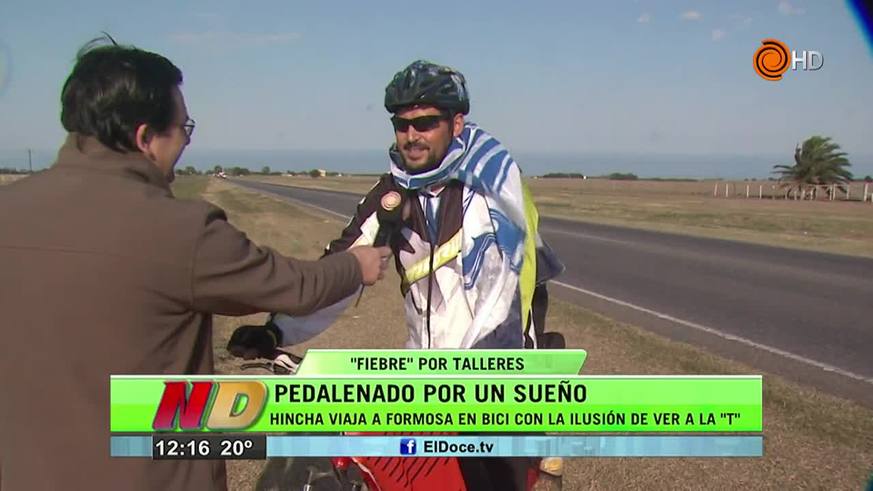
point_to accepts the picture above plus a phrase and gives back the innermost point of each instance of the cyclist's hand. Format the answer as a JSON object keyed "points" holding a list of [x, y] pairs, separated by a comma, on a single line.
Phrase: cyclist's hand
{"points": [[251, 342]]}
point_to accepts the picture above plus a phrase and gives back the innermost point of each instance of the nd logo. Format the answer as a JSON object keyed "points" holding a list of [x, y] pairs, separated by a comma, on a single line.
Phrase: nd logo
{"points": [[191, 408]]}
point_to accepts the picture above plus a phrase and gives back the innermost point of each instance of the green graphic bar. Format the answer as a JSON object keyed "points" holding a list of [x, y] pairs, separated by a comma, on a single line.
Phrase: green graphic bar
{"points": [[455, 404], [443, 362]]}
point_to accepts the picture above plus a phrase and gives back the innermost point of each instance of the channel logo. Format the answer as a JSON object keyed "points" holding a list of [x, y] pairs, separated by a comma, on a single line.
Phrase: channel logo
{"points": [[407, 446], [191, 410], [773, 58]]}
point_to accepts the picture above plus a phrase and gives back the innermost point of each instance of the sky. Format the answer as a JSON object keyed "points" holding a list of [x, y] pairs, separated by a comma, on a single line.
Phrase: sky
{"points": [[647, 80]]}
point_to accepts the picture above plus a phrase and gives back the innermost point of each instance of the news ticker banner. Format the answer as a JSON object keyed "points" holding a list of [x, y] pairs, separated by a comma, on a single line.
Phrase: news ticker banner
{"points": [[424, 403], [255, 446]]}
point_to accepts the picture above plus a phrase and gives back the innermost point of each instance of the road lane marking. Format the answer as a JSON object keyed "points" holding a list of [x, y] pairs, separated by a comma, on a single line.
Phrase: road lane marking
{"points": [[721, 334]]}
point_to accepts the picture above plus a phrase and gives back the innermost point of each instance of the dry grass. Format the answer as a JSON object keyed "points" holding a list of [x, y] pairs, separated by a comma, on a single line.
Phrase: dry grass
{"points": [[7, 178], [842, 227], [811, 440], [190, 187]]}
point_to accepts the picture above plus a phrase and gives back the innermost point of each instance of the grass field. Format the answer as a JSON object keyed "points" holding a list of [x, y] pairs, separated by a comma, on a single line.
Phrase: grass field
{"points": [[7, 178], [842, 227], [812, 440]]}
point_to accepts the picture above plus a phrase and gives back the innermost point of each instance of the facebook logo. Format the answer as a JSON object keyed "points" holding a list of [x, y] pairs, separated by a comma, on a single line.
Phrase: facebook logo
{"points": [[407, 446]]}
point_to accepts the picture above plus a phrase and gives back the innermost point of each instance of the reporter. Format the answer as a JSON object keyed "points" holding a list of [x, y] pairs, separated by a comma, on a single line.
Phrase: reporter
{"points": [[104, 272]]}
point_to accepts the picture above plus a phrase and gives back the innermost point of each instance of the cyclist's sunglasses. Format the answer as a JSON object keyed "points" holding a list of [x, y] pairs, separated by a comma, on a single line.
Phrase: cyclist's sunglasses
{"points": [[421, 123]]}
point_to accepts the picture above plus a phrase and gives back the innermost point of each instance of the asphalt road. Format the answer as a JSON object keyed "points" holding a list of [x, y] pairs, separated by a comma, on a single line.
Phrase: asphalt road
{"points": [[804, 315]]}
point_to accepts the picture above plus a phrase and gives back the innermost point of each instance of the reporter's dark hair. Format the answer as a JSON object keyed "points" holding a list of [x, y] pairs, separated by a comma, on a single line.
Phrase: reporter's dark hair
{"points": [[113, 89]]}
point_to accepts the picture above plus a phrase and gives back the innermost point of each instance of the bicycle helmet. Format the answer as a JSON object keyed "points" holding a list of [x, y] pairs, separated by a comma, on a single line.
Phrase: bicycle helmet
{"points": [[423, 82]]}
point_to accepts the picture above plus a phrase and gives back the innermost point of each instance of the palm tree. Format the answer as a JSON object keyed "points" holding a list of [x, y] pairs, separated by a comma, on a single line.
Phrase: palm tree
{"points": [[818, 161]]}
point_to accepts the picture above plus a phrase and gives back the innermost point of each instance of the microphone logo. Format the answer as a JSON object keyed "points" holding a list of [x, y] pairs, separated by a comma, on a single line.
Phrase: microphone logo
{"points": [[391, 200]]}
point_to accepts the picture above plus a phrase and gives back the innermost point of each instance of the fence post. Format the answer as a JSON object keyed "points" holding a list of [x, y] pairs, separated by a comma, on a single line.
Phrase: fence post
{"points": [[726, 190], [715, 190], [866, 185], [747, 191], [848, 188]]}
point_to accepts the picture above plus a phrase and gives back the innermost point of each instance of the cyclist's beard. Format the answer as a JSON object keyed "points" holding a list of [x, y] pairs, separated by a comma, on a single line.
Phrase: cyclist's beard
{"points": [[432, 161]]}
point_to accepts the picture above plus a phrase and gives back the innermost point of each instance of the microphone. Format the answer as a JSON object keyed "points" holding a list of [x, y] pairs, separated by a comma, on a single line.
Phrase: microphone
{"points": [[390, 216]]}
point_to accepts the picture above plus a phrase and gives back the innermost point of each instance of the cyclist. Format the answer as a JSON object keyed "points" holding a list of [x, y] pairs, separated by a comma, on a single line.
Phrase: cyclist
{"points": [[464, 235]]}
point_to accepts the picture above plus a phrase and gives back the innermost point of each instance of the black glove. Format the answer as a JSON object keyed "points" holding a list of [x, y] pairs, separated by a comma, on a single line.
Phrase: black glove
{"points": [[251, 342]]}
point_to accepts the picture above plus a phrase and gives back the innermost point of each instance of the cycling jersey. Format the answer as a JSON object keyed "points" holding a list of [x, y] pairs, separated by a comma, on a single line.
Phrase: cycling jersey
{"points": [[467, 251]]}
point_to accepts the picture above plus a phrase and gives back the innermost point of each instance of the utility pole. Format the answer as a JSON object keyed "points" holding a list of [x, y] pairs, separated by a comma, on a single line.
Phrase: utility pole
{"points": [[30, 160]]}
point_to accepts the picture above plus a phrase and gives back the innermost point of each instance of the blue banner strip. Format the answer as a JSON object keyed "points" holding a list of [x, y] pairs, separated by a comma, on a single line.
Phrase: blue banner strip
{"points": [[487, 446], [130, 446]]}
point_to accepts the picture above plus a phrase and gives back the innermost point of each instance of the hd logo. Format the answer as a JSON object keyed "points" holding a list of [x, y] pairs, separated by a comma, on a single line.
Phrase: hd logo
{"points": [[407, 446]]}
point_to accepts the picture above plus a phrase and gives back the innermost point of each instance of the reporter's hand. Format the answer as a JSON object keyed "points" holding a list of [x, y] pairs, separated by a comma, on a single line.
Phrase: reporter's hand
{"points": [[251, 342], [373, 262]]}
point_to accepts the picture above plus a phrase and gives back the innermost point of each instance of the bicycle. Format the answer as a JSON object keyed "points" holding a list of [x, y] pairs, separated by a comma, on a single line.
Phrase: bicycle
{"points": [[343, 473], [305, 473]]}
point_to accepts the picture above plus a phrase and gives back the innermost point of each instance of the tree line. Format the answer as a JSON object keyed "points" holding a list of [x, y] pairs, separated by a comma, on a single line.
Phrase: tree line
{"points": [[11, 170], [818, 163], [231, 171], [235, 171]]}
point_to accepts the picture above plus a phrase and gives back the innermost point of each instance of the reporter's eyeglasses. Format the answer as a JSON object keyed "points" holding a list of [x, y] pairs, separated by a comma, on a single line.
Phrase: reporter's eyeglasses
{"points": [[189, 127]]}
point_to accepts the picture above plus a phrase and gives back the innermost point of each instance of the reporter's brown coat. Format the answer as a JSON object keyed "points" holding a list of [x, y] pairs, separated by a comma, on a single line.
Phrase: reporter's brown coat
{"points": [[103, 272]]}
